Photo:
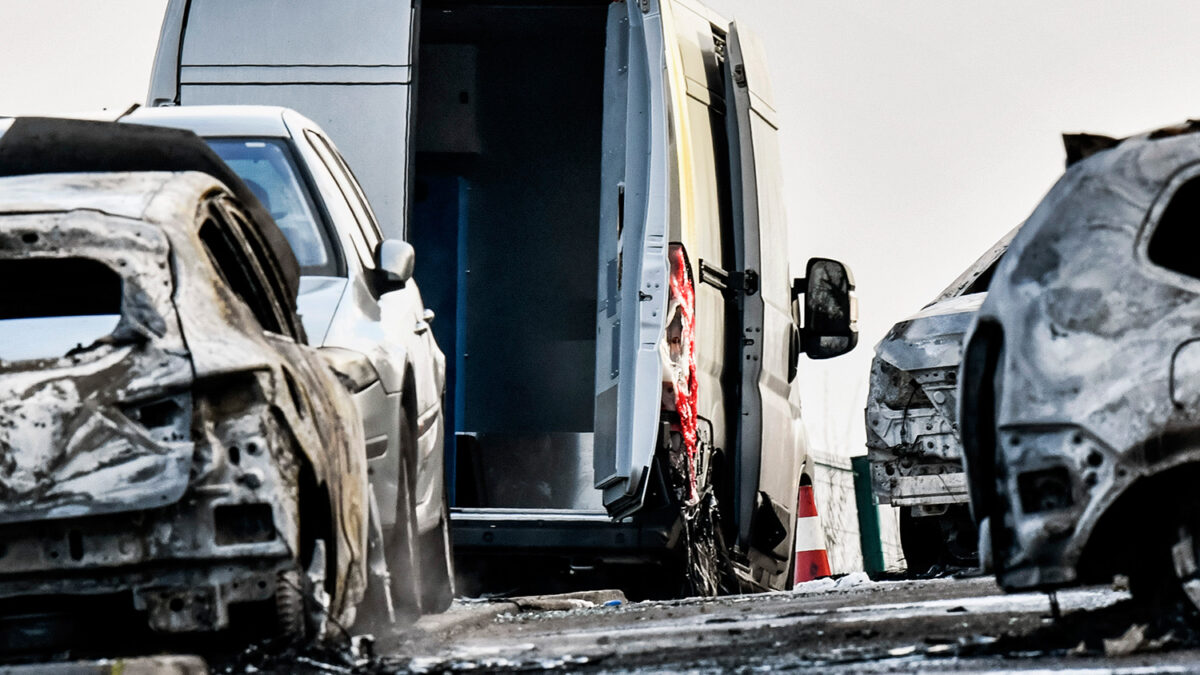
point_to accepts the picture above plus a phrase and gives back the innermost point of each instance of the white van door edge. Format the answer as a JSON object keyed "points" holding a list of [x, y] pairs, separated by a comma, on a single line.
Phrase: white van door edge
{"points": [[633, 278]]}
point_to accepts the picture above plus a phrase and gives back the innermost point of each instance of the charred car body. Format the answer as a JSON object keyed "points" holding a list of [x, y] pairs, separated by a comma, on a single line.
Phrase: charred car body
{"points": [[1080, 383], [911, 416], [171, 451]]}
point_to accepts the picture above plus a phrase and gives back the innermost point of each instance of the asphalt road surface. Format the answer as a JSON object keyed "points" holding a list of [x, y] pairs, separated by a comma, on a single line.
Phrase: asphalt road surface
{"points": [[853, 625]]}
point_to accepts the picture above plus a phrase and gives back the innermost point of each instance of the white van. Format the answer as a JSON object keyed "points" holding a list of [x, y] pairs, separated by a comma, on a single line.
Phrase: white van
{"points": [[593, 191]]}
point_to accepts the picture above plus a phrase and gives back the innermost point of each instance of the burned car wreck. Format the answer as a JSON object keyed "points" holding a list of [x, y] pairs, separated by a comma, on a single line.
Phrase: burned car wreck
{"points": [[1080, 383], [170, 451], [911, 420]]}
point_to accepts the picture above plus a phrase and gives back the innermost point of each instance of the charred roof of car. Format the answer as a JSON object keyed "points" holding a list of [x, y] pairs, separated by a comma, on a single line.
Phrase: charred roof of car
{"points": [[45, 145], [1080, 146], [985, 265]]}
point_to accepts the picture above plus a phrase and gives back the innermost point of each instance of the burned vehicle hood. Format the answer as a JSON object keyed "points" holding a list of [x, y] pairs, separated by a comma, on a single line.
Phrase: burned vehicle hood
{"points": [[94, 409], [911, 404], [916, 363], [931, 338]]}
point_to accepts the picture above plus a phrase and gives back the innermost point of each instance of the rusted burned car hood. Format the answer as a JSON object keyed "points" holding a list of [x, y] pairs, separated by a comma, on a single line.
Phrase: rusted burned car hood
{"points": [[911, 405], [103, 426], [912, 402], [924, 350], [1067, 376], [931, 338]]}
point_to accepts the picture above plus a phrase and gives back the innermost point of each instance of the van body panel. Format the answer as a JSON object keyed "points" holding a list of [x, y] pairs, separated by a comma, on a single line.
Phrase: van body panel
{"points": [[335, 59], [706, 227], [327, 33]]}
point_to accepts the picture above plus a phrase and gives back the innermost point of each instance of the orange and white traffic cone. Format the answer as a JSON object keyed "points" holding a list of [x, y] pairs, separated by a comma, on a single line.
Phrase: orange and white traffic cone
{"points": [[812, 561]]}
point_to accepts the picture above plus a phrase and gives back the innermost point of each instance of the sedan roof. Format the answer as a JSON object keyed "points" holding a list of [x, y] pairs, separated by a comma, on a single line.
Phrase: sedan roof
{"points": [[216, 120], [43, 145]]}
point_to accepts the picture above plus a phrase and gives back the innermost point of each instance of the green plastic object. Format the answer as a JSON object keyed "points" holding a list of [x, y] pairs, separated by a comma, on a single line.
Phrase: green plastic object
{"points": [[868, 517]]}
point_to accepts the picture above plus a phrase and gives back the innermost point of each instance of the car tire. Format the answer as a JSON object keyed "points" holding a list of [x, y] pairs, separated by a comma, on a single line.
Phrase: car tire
{"points": [[301, 601], [939, 543], [437, 564], [402, 543], [919, 541]]}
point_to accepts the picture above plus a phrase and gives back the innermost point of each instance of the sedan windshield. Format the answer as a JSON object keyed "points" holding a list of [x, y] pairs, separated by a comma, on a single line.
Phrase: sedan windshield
{"points": [[267, 167]]}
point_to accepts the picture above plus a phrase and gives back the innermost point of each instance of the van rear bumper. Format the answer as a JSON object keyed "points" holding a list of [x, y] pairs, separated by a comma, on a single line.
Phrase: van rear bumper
{"points": [[548, 531]]}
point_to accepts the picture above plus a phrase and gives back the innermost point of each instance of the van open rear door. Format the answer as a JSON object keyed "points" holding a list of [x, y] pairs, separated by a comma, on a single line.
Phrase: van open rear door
{"points": [[635, 215], [767, 433]]}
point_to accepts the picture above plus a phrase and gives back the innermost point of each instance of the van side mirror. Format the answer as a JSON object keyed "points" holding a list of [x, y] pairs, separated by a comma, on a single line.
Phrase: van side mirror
{"points": [[395, 259], [830, 309]]}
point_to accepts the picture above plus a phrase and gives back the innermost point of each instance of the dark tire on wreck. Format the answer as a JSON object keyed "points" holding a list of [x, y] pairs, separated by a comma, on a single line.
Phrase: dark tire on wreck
{"points": [[1164, 579], [437, 564], [946, 541]]}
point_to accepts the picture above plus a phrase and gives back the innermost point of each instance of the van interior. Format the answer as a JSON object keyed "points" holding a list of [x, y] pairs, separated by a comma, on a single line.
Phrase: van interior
{"points": [[505, 211]]}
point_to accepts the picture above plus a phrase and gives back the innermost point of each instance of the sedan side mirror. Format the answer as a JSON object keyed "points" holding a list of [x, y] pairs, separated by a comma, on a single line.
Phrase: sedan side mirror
{"points": [[396, 259], [830, 309]]}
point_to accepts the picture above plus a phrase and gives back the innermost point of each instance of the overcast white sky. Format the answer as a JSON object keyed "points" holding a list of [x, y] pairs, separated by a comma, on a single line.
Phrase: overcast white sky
{"points": [[914, 133]]}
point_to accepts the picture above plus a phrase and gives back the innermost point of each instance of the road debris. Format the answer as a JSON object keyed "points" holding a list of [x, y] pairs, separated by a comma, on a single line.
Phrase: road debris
{"points": [[842, 583], [1129, 642]]}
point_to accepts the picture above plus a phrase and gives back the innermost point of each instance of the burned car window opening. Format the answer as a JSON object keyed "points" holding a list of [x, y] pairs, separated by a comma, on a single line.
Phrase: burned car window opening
{"points": [[1173, 243], [980, 285], [49, 306], [234, 267], [270, 171], [264, 269]]}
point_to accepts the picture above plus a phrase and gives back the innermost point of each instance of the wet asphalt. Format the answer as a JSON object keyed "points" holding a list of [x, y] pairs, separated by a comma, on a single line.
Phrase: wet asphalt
{"points": [[851, 625]]}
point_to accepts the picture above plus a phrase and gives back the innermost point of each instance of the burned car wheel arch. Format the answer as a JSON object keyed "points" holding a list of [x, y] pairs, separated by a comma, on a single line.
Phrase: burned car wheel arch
{"points": [[1132, 532]]}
